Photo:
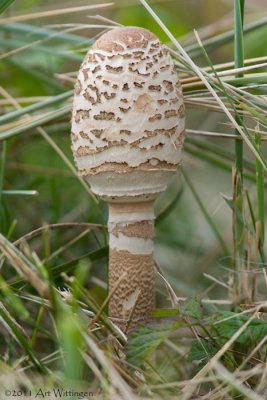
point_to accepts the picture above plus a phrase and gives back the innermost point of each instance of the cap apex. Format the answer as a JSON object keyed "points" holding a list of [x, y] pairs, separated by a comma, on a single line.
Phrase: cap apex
{"points": [[129, 37]]}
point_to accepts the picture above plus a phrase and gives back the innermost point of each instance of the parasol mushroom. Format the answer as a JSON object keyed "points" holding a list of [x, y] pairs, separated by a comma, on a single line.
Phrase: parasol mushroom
{"points": [[127, 137]]}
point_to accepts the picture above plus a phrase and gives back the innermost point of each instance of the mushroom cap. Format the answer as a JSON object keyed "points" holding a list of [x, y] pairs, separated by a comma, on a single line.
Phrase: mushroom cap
{"points": [[128, 115]]}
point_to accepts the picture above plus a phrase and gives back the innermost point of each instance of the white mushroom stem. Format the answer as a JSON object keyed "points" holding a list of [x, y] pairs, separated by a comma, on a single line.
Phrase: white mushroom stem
{"points": [[131, 229]]}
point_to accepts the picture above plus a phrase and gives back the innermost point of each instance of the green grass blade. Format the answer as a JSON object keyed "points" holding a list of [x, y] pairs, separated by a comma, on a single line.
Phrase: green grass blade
{"points": [[12, 300], [238, 226], [239, 63], [2, 169], [206, 214], [22, 340], [19, 192], [34, 107], [31, 31], [37, 325], [36, 121], [5, 4], [251, 211], [170, 206], [70, 339], [260, 199]]}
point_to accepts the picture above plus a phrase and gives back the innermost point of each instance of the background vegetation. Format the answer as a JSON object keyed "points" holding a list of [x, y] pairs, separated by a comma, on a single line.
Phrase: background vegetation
{"points": [[208, 337]]}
